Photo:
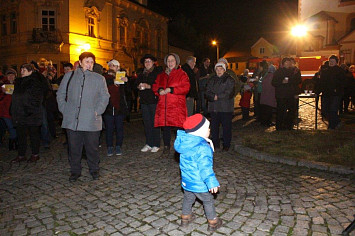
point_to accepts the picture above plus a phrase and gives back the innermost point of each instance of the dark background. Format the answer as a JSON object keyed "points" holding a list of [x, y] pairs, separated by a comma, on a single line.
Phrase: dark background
{"points": [[193, 24]]}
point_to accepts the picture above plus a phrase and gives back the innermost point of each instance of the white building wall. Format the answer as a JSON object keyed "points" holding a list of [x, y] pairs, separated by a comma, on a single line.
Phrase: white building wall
{"points": [[307, 8]]}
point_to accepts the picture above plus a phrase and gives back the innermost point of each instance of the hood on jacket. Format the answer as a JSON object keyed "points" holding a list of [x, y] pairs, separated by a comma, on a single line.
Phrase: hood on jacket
{"points": [[186, 143], [177, 58]]}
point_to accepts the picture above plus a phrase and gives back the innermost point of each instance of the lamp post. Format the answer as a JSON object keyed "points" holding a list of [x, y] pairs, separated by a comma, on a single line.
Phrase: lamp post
{"points": [[214, 43], [298, 31]]}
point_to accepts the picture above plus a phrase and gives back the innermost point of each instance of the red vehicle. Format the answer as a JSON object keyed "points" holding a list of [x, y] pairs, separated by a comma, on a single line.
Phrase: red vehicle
{"points": [[308, 66]]}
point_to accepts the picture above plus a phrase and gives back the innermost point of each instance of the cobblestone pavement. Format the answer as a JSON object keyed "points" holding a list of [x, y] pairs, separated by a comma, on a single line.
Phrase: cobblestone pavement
{"points": [[307, 115], [139, 194]]}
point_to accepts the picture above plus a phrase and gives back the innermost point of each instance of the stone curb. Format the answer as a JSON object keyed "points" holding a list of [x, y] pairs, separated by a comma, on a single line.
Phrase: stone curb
{"points": [[301, 163]]}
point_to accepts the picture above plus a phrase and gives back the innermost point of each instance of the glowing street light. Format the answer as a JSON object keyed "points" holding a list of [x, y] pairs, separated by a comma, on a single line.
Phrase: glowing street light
{"points": [[299, 31], [215, 43]]}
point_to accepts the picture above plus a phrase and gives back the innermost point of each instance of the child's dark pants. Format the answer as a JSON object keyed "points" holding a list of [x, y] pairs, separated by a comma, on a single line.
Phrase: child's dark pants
{"points": [[206, 198]]}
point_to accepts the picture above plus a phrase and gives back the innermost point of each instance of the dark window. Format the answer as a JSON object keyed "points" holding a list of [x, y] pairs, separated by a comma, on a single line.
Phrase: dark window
{"points": [[352, 24], [138, 35], [13, 23], [159, 43], [3, 25], [91, 26], [48, 20], [122, 34]]}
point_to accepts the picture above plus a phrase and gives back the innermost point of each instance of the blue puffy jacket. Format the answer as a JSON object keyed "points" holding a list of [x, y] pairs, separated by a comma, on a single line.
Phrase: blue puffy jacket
{"points": [[196, 163]]}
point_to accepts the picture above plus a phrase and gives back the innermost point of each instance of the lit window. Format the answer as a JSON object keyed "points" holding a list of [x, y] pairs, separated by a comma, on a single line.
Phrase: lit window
{"points": [[48, 20], [91, 26], [262, 50]]}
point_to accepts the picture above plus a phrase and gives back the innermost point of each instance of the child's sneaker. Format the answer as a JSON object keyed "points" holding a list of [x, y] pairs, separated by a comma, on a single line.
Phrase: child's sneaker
{"points": [[118, 151], [187, 219], [155, 149], [214, 224], [109, 151], [146, 148]]}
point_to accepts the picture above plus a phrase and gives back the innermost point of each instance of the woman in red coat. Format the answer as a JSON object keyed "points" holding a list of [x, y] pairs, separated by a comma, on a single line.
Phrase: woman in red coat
{"points": [[171, 88], [5, 103]]}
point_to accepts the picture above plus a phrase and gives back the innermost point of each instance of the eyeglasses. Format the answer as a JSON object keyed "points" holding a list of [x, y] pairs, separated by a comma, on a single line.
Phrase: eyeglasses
{"points": [[148, 61]]}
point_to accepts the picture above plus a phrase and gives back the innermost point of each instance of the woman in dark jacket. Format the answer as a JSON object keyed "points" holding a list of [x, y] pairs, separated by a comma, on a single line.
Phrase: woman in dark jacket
{"points": [[27, 111], [115, 112], [220, 93], [148, 102]]}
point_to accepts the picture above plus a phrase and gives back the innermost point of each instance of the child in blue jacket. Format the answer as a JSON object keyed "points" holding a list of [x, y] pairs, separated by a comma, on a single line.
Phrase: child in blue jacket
{"points": [[196, 165]]}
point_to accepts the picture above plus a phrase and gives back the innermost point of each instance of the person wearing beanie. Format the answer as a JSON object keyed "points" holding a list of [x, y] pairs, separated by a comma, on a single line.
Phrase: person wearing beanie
{"points": [[196, 165], [262, 72], [267, 98], [27, 112], [171, 88], [238, 83], [220, 94], [116, 109], [148, 102], [5, 105], [286, 83], [246, 93], [188, 67]]}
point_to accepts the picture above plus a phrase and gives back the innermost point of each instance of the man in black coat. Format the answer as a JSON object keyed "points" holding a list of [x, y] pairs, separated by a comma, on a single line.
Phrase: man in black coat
{"points": [[286, 81], [331, 85], [203, 73], [192, 95]]}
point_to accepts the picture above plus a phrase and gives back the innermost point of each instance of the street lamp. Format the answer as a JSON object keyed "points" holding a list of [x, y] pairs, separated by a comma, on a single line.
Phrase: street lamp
{"points": [[214, 43], [299, 31]]}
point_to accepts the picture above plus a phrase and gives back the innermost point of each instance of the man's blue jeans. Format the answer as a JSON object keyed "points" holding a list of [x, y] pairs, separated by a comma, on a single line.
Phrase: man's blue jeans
{"points": [[331, 107], [113, 123], [45, 130], [10, 128]]}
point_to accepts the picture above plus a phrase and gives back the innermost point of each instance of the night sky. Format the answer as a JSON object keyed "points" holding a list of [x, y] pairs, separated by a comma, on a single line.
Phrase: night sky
{"points": [[230, 21]]}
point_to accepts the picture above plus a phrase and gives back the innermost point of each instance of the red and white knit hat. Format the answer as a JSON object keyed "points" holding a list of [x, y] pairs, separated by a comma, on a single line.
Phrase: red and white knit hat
{"points": [[197, 125]]}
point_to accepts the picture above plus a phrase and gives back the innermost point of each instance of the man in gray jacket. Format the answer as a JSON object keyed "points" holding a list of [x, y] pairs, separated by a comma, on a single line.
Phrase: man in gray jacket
{"points": [[82, 98]]}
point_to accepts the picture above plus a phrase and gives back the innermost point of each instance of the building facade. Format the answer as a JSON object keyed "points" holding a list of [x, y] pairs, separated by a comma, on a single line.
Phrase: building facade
{"points": [[59, 30], [331, 26]]}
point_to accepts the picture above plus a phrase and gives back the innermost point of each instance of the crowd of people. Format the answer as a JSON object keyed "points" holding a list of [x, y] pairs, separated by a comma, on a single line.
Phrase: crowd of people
{"points": [[166, 97], [89, 97]]}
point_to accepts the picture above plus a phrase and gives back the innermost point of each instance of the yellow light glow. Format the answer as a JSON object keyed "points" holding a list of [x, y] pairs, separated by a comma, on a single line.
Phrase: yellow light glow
{"points": [[316, 57], [214, 42], [86, 46], [299, 31]]}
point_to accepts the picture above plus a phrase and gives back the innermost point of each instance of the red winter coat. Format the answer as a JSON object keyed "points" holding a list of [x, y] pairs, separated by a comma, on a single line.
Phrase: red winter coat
{"points": [[171, 109], [245, 99], [5, 103]]}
